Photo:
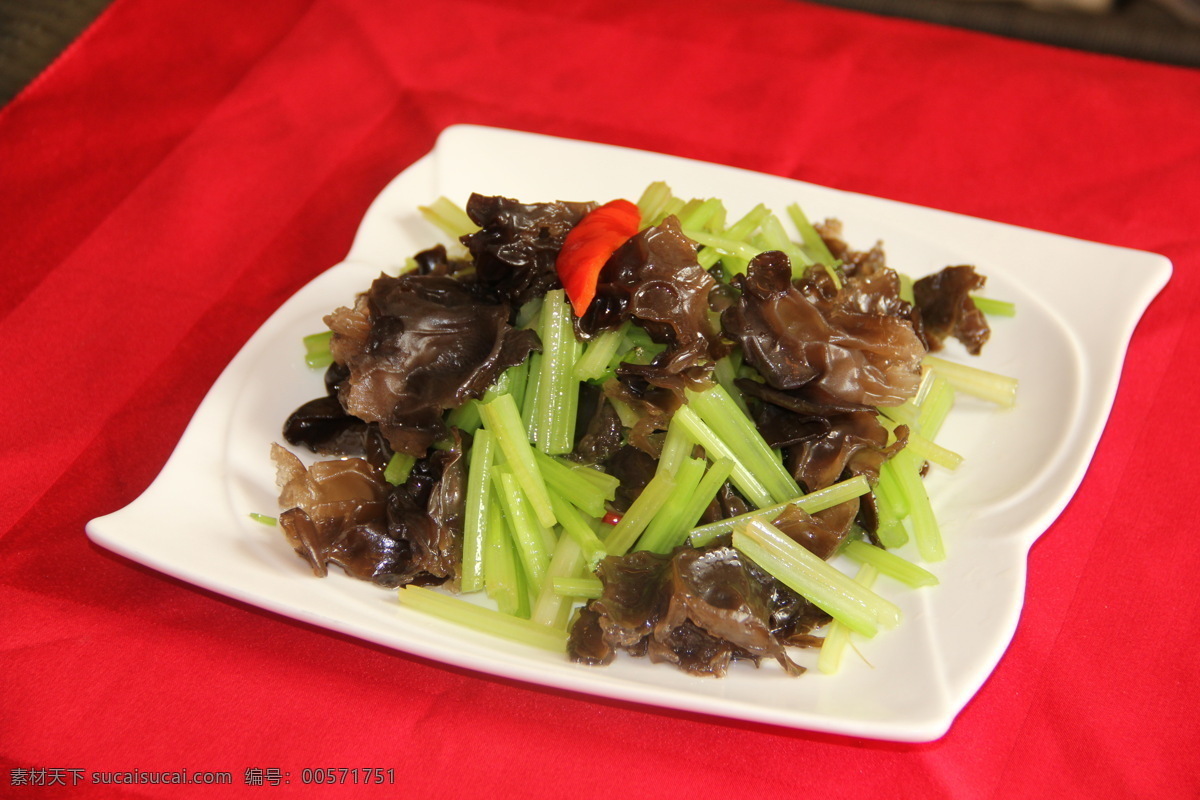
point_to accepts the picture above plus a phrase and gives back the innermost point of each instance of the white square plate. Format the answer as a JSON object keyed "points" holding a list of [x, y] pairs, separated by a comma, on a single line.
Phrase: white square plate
{"points": [[1022, 465]]}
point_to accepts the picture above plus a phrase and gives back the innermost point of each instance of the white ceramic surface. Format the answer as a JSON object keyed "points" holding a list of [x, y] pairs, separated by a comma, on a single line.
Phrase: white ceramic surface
{"points": [[1021, 468]]}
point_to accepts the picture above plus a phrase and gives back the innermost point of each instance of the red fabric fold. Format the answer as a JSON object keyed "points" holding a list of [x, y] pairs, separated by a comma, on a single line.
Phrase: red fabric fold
{"points": [[185, 167]]}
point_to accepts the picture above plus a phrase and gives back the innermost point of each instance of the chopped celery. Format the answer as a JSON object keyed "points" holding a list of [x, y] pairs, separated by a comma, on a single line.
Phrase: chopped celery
{"points": [[930, 451], [558, 388], [743, 478], [638, 515], [748, 224], [667, 527], [889, 491], [819, 582], [601, 350], [551, 608], [582, 588], [890, 532], [990, 386], [677, 447], [935, 407], [316, 350], [699, 215], [476, 510], [529, 397], [576, 526], [449, 217], [812, 502], [264, 519], [398, 467], [725, 371], [925, 528], [717, 410], [838, 635], [890, 564], [502, 418], [774, 237], [503, 580], [700, 499], [526, 533], [589, 489], [723, 244], [487, 620], [810, 237], [653, 201], [993, 307]]}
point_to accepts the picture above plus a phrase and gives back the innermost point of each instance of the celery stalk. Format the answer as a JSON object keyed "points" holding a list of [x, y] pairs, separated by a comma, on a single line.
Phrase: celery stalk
{"points": [[653, 201], [551, 608], [722, 244], [593, 364], [640, 512], [837, 636], [717, 410], [928, 450], [475, 512], [316, 350], [748, 224], [981, 383], [725, 371], [891, 532], [812, 502], [994, 308], [449, 217], [667, 527], [837, 594], [526, 533], [502, 418], [925, 528], [576, 526], [890, 564], [935, 407], [502, 578], [398, 467], [743, 478], [677, 447], [582, 588], [487, 620], [810, 237], [558, 398], [529, 398], [588, 488], [888, 490]]}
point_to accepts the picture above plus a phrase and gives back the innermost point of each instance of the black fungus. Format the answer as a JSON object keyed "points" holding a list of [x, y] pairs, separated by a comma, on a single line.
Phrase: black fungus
{"points": [[655, 280], [947, 309], [697, 608], [417, 345], [825, 349], [517, 244]]}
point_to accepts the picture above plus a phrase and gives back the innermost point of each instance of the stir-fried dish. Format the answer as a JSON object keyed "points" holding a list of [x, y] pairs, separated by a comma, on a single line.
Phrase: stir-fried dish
{"points": [[638, 428]]}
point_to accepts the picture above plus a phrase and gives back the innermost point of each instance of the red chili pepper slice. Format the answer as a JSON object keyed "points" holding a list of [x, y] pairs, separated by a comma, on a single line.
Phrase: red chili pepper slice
{"points": [[588, 247], [611, 518]]}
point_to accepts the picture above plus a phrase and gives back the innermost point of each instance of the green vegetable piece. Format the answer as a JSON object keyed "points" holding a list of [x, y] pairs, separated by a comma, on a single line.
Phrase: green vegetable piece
{"points": [[398, 468], [890, 564], [639, 514], [502, 418], [837, 594], [837, 635], [487, 620], [476, 511], [718, 410]]}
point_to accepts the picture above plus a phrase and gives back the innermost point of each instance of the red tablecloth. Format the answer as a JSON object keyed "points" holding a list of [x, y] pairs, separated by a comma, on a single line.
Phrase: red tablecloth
{"points": [[186, 166]]}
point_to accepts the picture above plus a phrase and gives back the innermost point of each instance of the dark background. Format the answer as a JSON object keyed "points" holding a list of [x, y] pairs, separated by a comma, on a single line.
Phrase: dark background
{"points": [[34, 32]]}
